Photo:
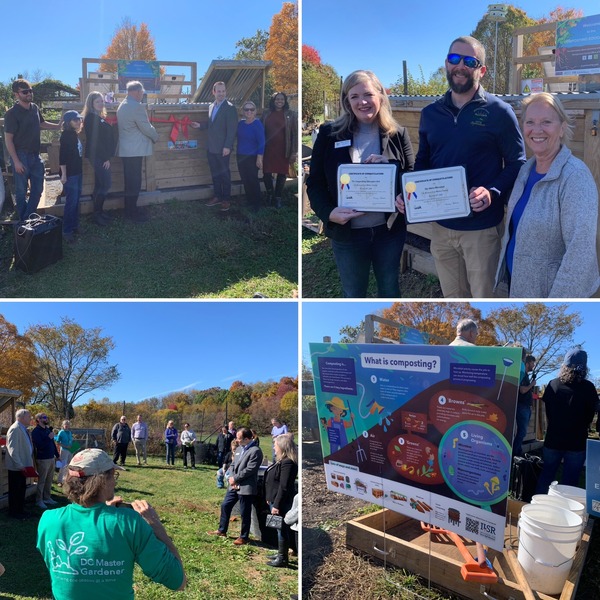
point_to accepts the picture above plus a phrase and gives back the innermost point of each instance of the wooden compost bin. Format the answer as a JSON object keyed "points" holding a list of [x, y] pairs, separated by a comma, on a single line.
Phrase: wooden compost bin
{"points": [[402, 542], [583, 107]]}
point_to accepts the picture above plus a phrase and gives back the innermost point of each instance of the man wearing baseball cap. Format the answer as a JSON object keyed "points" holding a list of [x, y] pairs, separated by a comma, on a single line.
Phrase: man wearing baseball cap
{"points": [[22, 125], [91, 545]]}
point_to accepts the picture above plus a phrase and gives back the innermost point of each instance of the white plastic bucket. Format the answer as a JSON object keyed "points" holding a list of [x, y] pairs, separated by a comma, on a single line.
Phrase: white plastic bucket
{"points": [[567, 491], [548, 538], [562, 502]]}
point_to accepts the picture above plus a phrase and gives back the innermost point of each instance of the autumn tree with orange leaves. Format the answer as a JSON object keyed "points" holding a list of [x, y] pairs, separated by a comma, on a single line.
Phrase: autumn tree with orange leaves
{"points": [[282, 48], [129, 43], [437, 319], [18, 360]]}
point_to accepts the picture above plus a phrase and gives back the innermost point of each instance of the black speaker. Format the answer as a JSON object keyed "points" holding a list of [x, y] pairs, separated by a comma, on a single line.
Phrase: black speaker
{"points": [[38, 242]]}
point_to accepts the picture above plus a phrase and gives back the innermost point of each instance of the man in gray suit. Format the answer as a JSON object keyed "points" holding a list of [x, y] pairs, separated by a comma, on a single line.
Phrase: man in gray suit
{"points": [[136, 136], [19, 456], [242, 485], [222, 128]]}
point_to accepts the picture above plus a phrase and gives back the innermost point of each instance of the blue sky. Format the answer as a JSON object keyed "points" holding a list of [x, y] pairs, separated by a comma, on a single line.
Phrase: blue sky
{"points": [[326, 318], [55, 36], [354, 34], [168, 346]]}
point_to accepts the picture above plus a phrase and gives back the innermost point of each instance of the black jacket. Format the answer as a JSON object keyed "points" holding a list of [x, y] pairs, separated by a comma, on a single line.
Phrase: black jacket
{"points": [[99, 138], [322, 182], [279, 484]]}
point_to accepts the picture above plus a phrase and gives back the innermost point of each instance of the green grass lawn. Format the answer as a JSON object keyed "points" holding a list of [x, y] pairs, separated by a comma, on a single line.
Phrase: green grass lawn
{"points": [[185, 250], [188, 504]]}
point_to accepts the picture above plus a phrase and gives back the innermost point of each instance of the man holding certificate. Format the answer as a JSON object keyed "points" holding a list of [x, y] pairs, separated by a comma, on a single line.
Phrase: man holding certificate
{"points": [[468, 128], [355, 171]]}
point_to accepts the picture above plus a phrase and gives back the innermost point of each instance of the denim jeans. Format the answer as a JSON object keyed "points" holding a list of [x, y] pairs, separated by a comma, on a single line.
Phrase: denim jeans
{"points": [[73, 194], [221, 175], [34, 175], [375, 246], [572, 467], [171, 453], [102, 178], [523, 416]]}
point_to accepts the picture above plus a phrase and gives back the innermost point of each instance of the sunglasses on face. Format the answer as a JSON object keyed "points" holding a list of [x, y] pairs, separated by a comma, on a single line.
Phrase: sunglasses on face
{"points": [[468, 61], [249, 109]]}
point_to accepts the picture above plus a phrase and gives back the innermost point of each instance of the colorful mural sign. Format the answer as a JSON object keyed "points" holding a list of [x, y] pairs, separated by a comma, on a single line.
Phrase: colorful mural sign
{"points": [[578, 46], [425, 431]]}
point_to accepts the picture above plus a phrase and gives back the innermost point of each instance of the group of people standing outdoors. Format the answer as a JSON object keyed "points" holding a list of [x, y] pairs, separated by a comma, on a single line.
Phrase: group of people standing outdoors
{"points": [[269, 144], [545, 246]]}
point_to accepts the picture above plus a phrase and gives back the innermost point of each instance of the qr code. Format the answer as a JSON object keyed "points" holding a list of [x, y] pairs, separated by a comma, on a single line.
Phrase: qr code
{"points": [[472, 525], [596, 505]]}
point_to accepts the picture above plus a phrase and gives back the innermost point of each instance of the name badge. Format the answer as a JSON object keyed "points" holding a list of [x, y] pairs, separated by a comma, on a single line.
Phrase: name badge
{"points": [[343, 143]]}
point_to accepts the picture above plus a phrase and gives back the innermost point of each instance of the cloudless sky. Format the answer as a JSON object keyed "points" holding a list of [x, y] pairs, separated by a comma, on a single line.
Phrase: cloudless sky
{"points": [[55, 36], [378, 36], [327, 318], [168, 346]]}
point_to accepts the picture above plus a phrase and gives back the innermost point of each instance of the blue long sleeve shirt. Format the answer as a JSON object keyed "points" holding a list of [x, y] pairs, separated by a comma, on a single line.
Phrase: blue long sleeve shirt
{"points": [[484, 137]]}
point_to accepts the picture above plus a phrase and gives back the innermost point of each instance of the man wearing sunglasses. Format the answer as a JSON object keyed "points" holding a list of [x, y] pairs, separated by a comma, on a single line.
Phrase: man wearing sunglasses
{"points": [[472, 128], [22, 125]]}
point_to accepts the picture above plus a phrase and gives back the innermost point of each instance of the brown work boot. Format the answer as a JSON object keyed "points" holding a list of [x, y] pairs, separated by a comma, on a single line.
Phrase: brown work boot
{"points": [[240, 541]]}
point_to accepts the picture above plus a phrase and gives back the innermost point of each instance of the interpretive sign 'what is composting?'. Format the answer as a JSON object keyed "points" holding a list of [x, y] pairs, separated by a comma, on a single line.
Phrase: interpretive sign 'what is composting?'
{"points": [[425, 431]]}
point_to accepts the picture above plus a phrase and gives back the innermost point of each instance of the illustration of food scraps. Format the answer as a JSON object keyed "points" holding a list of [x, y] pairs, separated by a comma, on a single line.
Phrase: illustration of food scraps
{"points": [[420, 506], [415, 458], [339, 480]]}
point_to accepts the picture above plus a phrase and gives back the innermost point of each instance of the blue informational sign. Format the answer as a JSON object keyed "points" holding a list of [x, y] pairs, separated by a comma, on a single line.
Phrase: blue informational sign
{"points": [[578, 46], [425, 431], [145, 71], [592, 477]]}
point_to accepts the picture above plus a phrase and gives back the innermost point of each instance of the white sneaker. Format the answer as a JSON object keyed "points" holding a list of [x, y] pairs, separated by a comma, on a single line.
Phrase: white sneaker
{"points": [[50, 502], [41, 505]]}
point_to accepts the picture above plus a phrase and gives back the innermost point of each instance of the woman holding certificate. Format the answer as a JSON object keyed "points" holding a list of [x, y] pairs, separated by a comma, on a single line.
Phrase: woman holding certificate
{"points": [[369, 233], [549, 246]]}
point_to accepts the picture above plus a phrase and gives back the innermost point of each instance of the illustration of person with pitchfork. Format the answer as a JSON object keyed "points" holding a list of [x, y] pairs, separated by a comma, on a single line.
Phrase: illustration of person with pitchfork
{"points": [[337, 424]]}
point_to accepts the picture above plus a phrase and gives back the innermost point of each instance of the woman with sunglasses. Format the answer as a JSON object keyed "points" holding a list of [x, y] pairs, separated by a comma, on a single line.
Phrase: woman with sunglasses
{"points": [[250, 150], [90, 546], [549, 244], [366, 132], [281, 149]]}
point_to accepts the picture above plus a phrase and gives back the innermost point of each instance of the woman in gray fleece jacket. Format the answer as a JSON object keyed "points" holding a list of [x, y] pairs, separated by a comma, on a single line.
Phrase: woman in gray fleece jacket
{"points": [[549, 245]]}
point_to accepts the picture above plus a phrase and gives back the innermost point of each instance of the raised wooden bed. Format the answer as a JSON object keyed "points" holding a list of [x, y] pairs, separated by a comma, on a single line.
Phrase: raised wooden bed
{"points": [[400, 541]]}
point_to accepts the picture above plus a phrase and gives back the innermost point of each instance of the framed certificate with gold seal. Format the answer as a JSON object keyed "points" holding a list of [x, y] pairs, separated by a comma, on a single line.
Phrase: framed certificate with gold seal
{"points": [[435, 195], [367, 187]]}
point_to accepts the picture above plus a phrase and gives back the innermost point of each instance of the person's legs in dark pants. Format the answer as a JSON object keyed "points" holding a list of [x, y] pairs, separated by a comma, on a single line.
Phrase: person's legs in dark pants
{"points": [[132, 174], [353, 260], [230, 500], [522, 418], [17, 485], [279, 185], [386, 252], [246, 514]]}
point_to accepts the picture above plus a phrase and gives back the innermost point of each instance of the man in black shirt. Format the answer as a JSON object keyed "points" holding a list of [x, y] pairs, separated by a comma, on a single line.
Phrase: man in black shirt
{"points": [[22, 125]]}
